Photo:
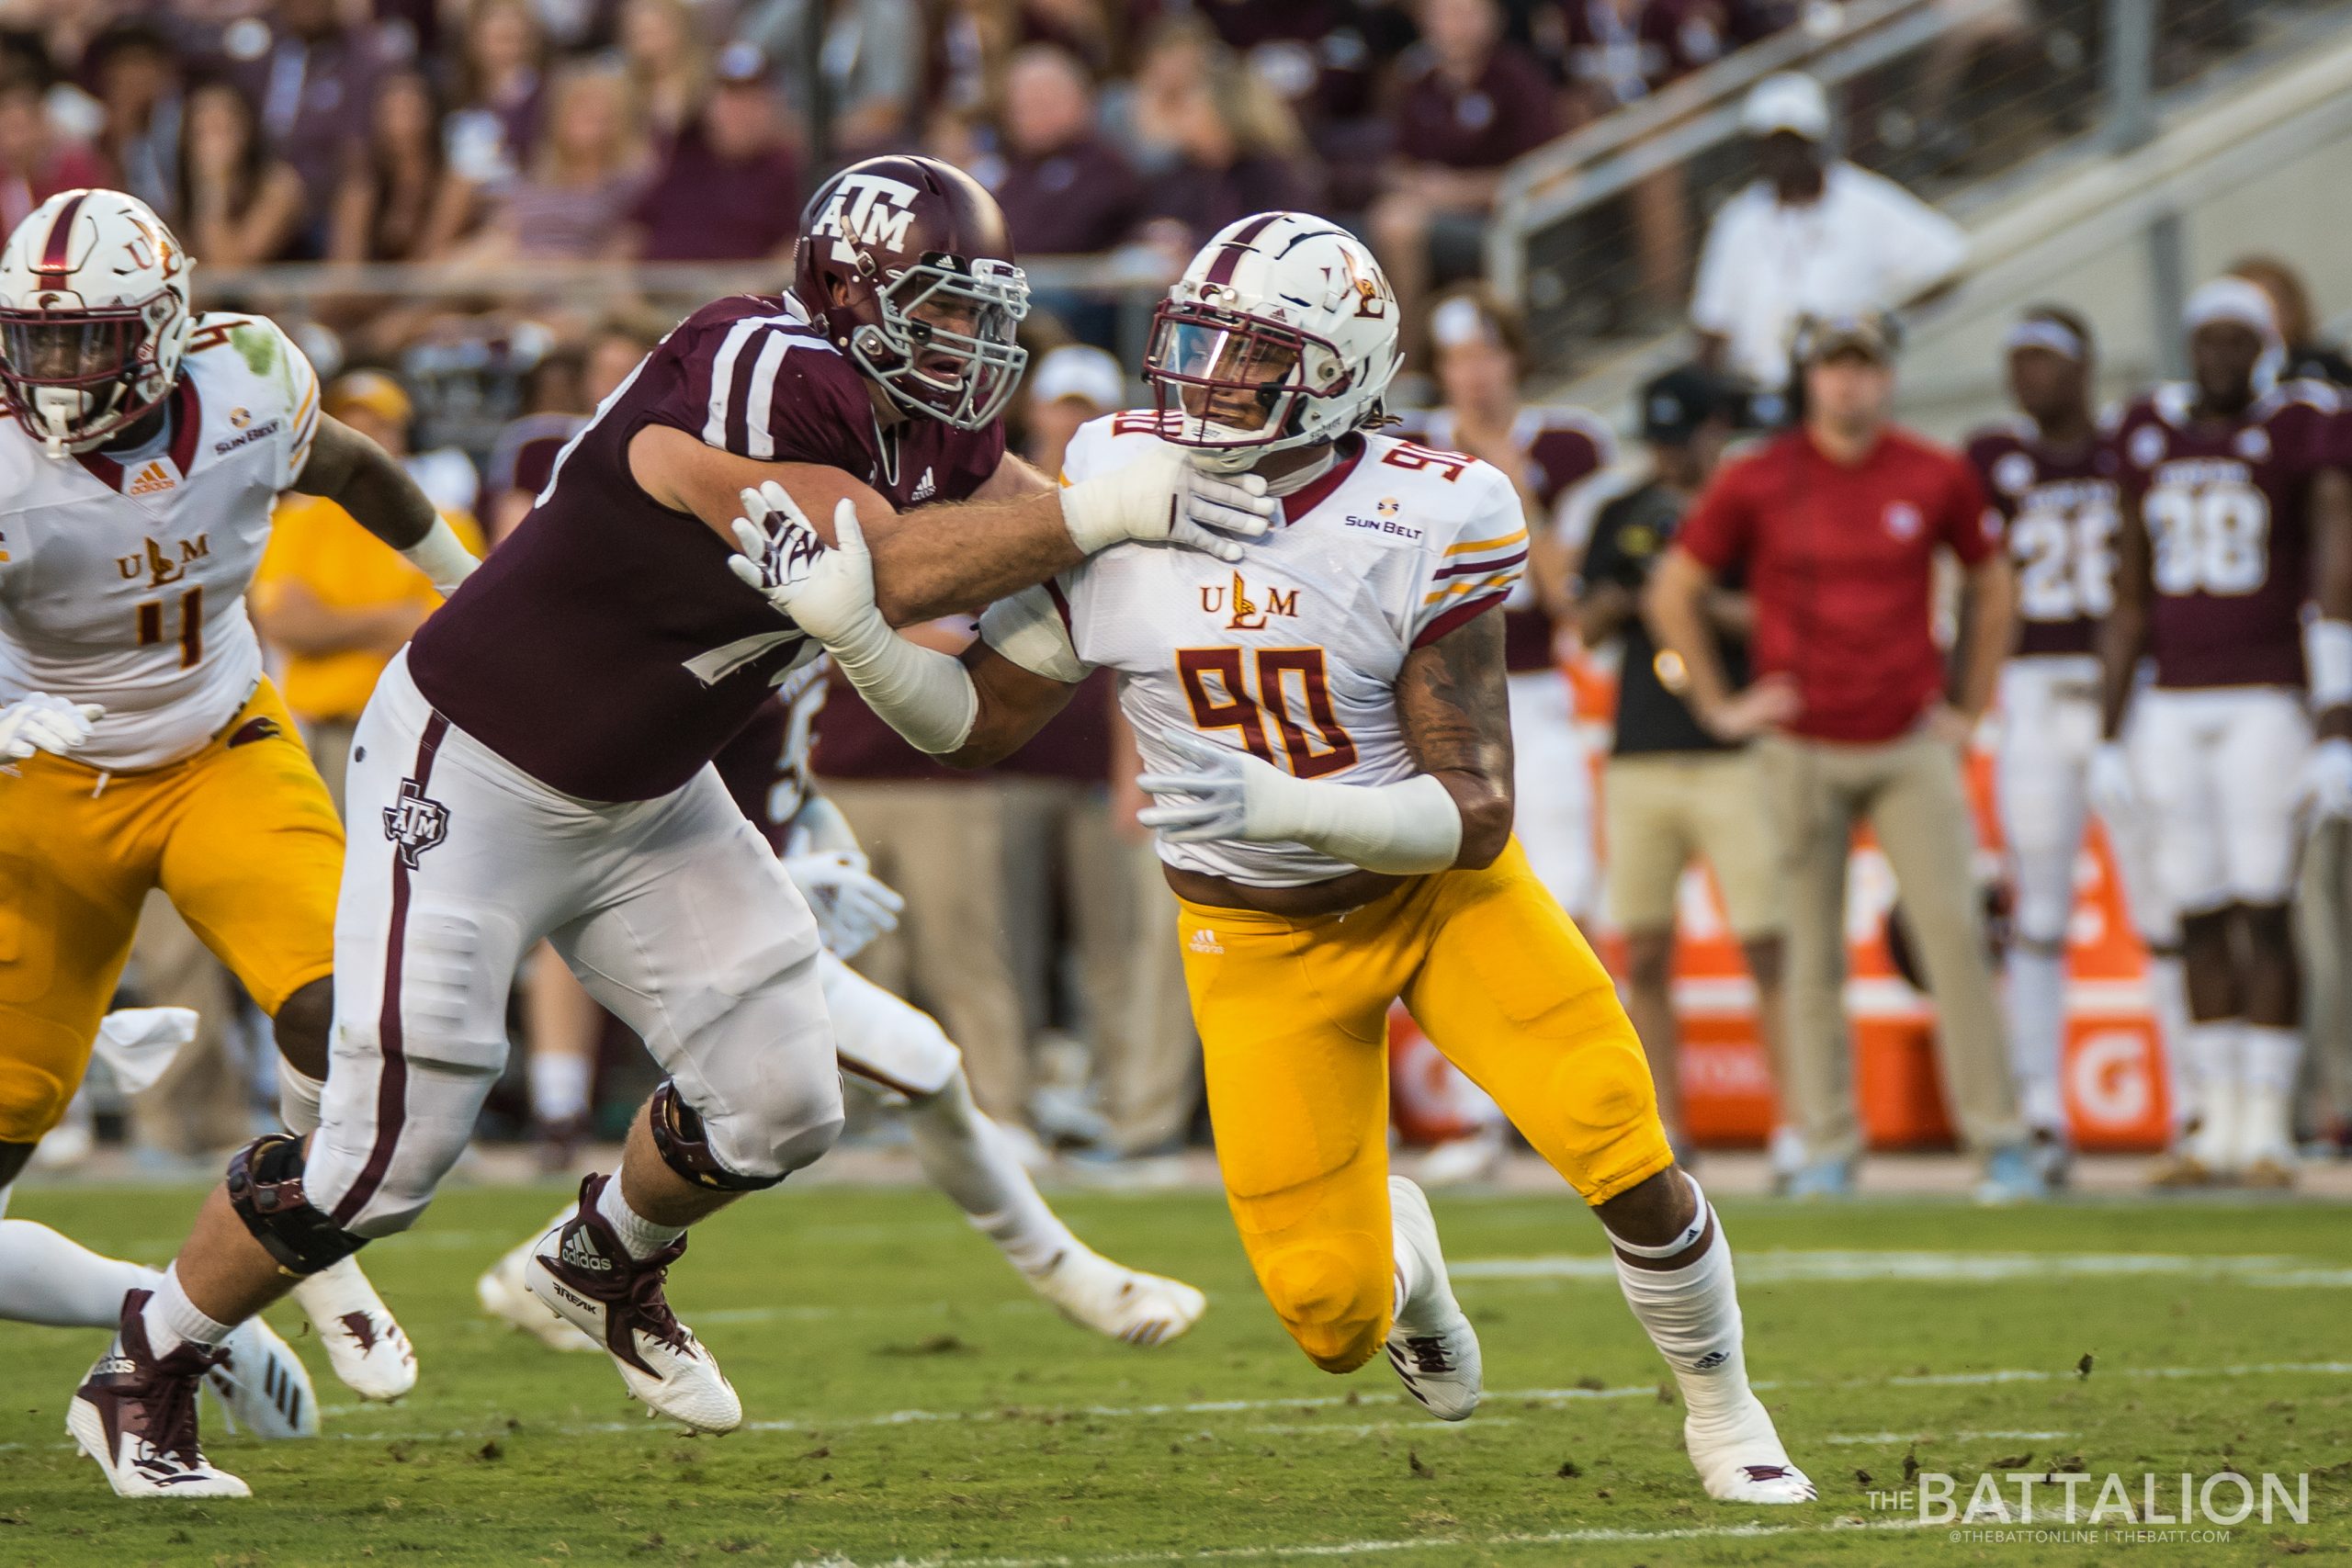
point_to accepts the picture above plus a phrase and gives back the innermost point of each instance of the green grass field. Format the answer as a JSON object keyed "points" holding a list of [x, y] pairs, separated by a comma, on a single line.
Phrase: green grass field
{"points": [[909, 1400]]}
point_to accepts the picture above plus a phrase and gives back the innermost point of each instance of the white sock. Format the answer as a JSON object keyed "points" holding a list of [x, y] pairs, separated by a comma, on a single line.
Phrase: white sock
{"points": [[641, 1235], [559, 1086], [966, 1157], [297, 1099], [1691, 1314], [171, 1318], [2037, 996], [2269, 1059], [2213, 1063], [47, 1279], [1413, 1281], [2168, 1001]]}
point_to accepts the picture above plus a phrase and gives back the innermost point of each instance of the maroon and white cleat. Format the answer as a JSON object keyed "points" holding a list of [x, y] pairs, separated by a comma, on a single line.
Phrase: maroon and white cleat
{"points": [[136, 1415], [581, 1273], [364, 1341]]}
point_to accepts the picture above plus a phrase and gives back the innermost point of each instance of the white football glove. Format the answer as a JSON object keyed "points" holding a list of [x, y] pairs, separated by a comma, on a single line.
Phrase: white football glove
{"points": [[43, 723], [819, 826], [2326, 788], [1219, 782], [853, 905], [2112, 790], [828, 592], [1161, 498]]}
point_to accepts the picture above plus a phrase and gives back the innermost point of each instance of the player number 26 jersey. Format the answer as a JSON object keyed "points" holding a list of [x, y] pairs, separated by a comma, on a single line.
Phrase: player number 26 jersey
{"points": [[123, 582], [1292, 654]]}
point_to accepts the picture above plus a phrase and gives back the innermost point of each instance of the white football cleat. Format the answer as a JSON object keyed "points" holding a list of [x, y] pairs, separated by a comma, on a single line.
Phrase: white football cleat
{"points": [[504, 1296], [1431, 1344], [364, 1343], [1120, 1302], [581, 1271], [1740, 1460], [262, 1388], [135, 1414]]}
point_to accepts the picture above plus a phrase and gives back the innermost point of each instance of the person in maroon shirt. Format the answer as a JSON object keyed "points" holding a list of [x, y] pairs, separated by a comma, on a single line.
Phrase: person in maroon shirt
{"points": [[540, 768], [1065, 190], [1240, 151], [729, 187], [1471, 103], [2236, 514], [1838, 523]]}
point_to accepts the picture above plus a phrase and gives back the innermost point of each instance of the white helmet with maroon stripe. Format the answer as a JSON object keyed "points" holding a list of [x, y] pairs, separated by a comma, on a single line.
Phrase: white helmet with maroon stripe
{"points": [[94, 317], [1281, 333]]}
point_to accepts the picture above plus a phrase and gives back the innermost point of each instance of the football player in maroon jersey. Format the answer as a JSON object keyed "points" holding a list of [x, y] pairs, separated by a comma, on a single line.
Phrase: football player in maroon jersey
{"points": [[2049, 475], [2237, 512], [539, 762]]}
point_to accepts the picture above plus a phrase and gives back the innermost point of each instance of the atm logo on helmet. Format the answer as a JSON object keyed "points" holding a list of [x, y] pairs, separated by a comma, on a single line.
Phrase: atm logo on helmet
{"points": [[867, 210]]}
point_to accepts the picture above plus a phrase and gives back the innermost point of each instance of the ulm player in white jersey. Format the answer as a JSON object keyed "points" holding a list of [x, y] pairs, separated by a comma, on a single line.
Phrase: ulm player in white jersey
{"points": [[143, 746], [1325, 727]]}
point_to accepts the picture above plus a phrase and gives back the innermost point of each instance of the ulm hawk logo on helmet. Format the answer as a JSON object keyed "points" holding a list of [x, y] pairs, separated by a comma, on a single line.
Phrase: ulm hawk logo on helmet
{"points": [[867, 210]]}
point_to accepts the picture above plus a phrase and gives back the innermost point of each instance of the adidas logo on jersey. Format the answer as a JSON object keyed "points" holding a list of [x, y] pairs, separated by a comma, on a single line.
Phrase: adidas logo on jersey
{"points": [[153, 479], [1204, 940], [924, 490], [579, 1252]]}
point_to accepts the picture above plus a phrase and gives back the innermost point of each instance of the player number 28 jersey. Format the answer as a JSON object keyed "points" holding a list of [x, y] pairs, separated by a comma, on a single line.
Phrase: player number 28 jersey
{"points": [[123, 582], [1292, 654]]}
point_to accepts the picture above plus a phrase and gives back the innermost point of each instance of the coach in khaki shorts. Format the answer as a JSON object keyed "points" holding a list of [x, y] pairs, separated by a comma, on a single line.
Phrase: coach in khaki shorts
{"points": [[1674, 793], [1838, 523]]}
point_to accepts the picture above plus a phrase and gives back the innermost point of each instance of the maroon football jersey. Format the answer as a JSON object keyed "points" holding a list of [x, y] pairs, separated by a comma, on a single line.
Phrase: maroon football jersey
{"points": [[1565, 447], [2224, 506], [605, 648], [2057, 512]]}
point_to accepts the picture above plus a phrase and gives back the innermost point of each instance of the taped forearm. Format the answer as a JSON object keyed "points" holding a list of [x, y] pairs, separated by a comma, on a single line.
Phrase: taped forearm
{"points": [[442, 557], [1406, 829], [922, 694], [2327, 657]]}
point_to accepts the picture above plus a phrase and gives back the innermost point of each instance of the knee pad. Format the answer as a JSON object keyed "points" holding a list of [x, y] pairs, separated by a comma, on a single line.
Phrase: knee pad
{"points": [[1605, 1083], [265, 1189], [683, 1141], [1335, 1307]]}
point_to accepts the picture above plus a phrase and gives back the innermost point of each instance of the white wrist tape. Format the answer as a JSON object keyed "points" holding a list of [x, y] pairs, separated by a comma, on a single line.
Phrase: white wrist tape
{"points": [[1405, 828], [2327, 658], [922, 694], [1091, 514], [826, 831], [442, 557]]}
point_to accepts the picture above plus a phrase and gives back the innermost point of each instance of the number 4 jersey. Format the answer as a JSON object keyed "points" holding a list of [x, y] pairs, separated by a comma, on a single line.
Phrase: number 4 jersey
{"points": [[123, 576], [1293, 653], [2224, 505]]}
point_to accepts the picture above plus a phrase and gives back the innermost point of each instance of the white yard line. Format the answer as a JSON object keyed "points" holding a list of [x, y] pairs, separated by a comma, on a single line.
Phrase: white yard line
{"points": [[1880, 1439], [1767, 1266]]}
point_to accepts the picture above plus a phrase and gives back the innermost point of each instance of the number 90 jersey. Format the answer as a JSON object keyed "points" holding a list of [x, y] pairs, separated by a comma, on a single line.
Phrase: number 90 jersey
{"points": [[1292, 654], [123, 583], [2057, 514], [2224, 506]]}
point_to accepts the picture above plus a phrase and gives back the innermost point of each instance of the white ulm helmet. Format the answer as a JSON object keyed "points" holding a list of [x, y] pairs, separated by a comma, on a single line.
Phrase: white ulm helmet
{"points": [[1281, 333], [94, 317]]}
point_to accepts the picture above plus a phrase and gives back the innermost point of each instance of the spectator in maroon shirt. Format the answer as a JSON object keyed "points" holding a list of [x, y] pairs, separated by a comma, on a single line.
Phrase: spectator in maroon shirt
{"points": [[730, 188], [1239, 152], [35, 163], [1471, 104], [399, 199], [313, 87], [1620, 51], [239, 203], [1065, 190]]}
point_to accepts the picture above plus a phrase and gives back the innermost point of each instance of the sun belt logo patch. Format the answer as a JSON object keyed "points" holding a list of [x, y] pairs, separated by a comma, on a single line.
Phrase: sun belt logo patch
{"points": [[867, 210]]}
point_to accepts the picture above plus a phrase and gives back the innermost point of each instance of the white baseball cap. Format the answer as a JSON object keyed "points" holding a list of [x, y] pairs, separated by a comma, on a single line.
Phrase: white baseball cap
{"points": [[1080, 370], [1789, 101]]}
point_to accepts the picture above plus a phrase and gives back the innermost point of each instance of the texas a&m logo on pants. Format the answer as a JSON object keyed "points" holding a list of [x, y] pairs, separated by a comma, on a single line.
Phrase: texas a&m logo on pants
{"points": [[415, 822]]}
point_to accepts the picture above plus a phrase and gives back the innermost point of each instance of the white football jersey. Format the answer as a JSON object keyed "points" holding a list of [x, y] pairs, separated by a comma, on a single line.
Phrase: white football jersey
{"points": [[123, 583], [1293, 654]]}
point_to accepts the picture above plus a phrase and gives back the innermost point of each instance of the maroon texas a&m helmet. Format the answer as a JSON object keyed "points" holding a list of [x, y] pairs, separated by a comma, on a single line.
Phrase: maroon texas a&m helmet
{"points": [[905, 263]]}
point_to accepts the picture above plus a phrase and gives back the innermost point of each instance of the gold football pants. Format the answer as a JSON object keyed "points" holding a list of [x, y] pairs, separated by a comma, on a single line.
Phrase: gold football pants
{"points": [[1293, 1016]]}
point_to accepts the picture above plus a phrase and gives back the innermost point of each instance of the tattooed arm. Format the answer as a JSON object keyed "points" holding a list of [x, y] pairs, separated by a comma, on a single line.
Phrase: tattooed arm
{"points": [[1457, 725]]}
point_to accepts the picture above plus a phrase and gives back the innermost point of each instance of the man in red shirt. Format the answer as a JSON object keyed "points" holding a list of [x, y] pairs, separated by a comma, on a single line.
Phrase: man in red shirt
{"points": [[1837, 523]]}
